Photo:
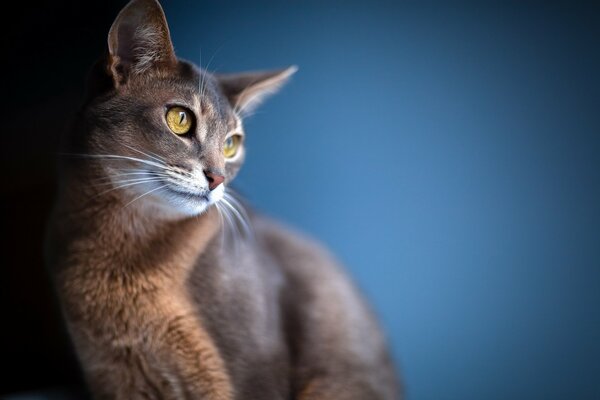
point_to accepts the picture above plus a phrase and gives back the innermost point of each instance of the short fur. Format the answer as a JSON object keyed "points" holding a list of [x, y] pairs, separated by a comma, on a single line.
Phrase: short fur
{"points": [[159, 301]]}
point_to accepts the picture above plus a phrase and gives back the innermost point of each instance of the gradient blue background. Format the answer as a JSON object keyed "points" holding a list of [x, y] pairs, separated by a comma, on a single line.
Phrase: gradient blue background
{"points": [[449, 155]]}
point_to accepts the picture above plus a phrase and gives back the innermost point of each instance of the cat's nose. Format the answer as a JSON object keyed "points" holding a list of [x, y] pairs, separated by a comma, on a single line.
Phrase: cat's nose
{"points": [[214, 180]]}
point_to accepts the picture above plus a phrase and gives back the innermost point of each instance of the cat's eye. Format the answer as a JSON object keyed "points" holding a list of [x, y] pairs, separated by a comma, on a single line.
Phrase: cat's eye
{"points": [[231, 145], [179, 120]]}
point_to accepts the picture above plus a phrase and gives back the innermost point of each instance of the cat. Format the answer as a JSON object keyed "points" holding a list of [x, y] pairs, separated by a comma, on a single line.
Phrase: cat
{"points": [[169, 287]]}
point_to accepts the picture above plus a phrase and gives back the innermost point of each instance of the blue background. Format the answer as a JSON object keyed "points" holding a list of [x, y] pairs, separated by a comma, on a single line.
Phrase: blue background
{"points": [[449, 155]]}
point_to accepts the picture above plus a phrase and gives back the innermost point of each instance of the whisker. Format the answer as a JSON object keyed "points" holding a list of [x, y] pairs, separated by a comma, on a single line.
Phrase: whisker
{"points": [[227, 215], [202, 76], [222, 224], [183, 178], [232, 198], [118, 182], [124, 185], [133, 174], [240, 219], [238, 205], [163, 169], [133, 171], [147, 193], [159, 159], [128, 175], [234, 230], [118, 157]]}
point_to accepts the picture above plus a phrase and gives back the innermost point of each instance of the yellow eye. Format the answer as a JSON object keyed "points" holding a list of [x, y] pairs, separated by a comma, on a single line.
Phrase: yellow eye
{"points": [[179, 120], [232, 143]]}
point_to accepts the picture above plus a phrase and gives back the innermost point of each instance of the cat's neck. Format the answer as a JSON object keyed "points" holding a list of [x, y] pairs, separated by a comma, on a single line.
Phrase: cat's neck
{"points": [[133, 236]]}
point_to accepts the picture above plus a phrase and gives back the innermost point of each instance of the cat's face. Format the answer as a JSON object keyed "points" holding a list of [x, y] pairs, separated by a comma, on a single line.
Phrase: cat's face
{"points": [[182, 139], [165, 132]]}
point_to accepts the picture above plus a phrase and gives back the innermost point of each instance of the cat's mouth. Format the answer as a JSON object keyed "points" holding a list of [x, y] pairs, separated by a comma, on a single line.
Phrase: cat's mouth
{"points": [[186, 200], [188, 194]]}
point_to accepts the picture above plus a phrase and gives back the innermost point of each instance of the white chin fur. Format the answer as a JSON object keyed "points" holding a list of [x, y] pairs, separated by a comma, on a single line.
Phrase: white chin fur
{"points": [[193, 206]]}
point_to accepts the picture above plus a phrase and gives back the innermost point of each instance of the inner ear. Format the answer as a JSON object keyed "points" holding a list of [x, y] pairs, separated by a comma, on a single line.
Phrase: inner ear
{"points": [[246, 90], [139, 40]]}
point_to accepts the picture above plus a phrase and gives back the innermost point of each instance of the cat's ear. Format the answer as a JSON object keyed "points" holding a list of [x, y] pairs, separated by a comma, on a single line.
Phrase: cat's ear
{"points": [[139, 40], [246, 90]]}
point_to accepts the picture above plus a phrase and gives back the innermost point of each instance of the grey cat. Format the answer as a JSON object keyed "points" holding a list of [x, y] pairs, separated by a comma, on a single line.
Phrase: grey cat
{"points": [[170, 288]]}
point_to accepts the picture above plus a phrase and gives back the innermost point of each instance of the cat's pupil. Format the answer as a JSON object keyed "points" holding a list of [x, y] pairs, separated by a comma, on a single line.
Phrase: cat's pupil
{"points": [[181, 118]]}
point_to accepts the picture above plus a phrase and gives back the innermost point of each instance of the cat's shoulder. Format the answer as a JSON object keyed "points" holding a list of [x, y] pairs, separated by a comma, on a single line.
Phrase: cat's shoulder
{"points": [[282, 237], [297, 253]]}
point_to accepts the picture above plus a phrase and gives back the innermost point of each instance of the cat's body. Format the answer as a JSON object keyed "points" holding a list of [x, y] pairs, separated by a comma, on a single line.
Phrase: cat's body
{"points": [[280, 320], [160, 304]]}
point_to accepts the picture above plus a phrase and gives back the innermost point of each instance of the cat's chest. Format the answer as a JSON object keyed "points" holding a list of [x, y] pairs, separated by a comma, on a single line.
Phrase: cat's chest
{"points": [[238, 303], [239, 293]]}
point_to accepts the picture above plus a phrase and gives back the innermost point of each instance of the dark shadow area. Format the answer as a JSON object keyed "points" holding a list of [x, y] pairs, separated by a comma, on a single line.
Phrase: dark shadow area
{"points": [[48, 48]]}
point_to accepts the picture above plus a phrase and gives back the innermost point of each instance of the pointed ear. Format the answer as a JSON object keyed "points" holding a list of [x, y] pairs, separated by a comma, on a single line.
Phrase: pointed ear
{"points": [[245, 91], [139, 40]]}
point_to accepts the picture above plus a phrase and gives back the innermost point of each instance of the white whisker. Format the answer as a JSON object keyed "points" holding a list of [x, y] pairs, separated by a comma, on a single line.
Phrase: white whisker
{"points": [[240, 220], [147, 193], [159, 159], [129, 175], [203, 75], [238, 205], [233, 231], [221, 223], [134, 172], [121, 181], [184, 178], [237, 219], [126, 185], [118, 157]]}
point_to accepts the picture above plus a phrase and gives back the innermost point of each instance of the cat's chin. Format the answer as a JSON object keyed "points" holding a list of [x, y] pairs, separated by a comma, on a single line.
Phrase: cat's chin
{"points": [[173, 209], [182, 204]]}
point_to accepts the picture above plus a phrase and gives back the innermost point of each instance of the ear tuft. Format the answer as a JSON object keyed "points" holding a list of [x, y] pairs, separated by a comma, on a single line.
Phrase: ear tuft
{"points": [[139, 40], [246, 91]]}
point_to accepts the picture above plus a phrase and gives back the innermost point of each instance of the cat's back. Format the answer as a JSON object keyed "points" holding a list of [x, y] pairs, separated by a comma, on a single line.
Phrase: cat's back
{"points": [[325, 313], [311, 273]]}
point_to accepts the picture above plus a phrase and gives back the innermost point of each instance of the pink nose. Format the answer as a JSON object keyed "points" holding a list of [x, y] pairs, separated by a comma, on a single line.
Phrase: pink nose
{"points": [[214, 180]]}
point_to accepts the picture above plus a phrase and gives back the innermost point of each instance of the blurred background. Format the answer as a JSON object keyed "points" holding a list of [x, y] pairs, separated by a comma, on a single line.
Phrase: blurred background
{"points": [[449, 154]]}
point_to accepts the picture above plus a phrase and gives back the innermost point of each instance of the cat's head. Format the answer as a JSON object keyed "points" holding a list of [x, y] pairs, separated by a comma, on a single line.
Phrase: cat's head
{"points": [[162, 130]]}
